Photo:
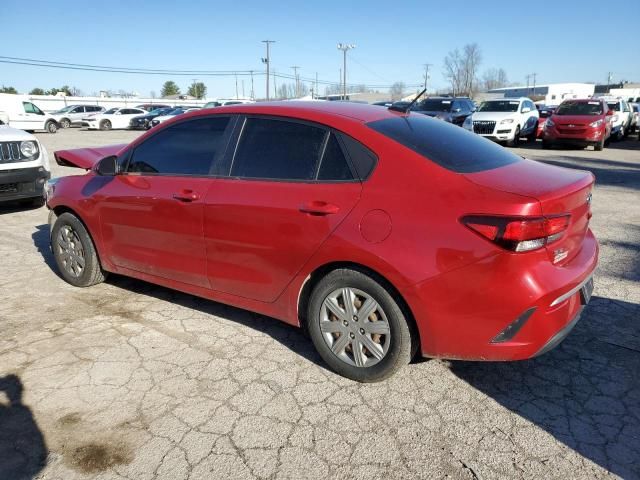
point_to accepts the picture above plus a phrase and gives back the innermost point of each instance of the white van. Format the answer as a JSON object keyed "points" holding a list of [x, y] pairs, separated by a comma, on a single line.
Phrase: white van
{"points": [[24, 166], [24, 115]]}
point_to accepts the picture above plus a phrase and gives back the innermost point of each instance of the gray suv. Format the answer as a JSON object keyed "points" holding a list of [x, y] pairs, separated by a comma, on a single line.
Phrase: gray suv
{"points": [[450, 109]]}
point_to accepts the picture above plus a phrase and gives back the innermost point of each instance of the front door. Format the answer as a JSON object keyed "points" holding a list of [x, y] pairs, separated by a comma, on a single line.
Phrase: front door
{"points": [[152, 214], [290, 187]]}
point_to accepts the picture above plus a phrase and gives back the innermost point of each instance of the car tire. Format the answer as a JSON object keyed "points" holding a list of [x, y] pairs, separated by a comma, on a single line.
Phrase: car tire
{"points": [[546, 144], [599, 146], [65, 123], [105, 125], [516, 138], [51, 126], [533, 136], [384, 339], [72, 246]]}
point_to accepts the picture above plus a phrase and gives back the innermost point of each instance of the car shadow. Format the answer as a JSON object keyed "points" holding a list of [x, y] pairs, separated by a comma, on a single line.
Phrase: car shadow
{"points": [[585, 393], [17, 206], [40, 239], [23, 450]]}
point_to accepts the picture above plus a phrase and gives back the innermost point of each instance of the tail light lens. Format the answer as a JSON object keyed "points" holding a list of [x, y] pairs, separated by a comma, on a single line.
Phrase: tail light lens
{"points": [[519, 234]]}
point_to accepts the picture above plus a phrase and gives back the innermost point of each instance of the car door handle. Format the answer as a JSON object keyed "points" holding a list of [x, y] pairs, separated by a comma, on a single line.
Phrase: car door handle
{"points": [[186, 196], [319, 208]]}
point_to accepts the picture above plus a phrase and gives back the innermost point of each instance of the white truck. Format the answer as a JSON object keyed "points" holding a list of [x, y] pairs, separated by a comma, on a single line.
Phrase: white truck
{"points": [[19, 112], [24, 166]]}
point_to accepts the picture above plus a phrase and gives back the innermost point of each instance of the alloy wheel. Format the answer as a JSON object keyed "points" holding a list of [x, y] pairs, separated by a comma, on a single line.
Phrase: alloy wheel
{"points": [[355, 327], [70, 251]]}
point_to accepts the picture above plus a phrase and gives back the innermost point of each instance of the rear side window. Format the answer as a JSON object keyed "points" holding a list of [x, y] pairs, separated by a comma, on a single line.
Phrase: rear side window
{"points": [[187, 148], [447, 145], [278, 149], [334, 165]]}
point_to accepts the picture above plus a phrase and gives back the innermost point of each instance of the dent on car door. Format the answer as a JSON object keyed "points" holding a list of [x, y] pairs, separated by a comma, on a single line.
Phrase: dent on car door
{"points": [[290, 186], [152, 214]]}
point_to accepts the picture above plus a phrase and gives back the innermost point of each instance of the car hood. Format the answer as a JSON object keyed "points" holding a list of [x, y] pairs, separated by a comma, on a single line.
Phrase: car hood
{"points": [[9, 134], [86, 157], [493, 115]]}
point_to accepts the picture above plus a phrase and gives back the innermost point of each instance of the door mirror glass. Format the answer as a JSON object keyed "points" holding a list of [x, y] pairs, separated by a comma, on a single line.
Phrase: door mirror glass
{"points": [[108, 166]]}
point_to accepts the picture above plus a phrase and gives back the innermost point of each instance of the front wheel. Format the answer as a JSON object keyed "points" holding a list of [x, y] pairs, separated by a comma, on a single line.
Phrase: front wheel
{"points": [[599, 146], [358, 328], [51, 126], [533, 136], [516, 138], [105, 125], [65, 123], [74, 252], [546, 144]]}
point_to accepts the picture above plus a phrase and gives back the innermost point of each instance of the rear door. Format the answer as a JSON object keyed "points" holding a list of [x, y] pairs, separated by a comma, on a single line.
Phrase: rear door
{"points": [[151, 215], [290, 186]]}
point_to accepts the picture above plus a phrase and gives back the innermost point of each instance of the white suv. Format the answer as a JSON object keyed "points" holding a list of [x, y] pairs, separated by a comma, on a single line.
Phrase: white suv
{"points": [[505, 120], [621, 119], [24, 166]]}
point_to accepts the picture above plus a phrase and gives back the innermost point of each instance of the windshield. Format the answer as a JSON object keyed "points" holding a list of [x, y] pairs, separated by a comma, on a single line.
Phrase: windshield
{"points": [[579, 108], [445, 144], [110, 111], [615, 106], [162, 111], [175, 111], [499, 106], [435, 105], [65, 109]]}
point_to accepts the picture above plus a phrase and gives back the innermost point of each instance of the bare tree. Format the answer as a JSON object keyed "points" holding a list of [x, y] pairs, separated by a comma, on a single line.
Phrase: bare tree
{"points": [[494, 78], [461, 69], [397, 91]]}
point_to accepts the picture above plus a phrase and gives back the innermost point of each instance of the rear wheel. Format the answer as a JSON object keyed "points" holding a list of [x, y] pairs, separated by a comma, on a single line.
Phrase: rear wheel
{"points": [[51, 126], [74, 252], [599, 146], [65, 123], [357, 327], [105, 125], [531, 138], [546, 144]]}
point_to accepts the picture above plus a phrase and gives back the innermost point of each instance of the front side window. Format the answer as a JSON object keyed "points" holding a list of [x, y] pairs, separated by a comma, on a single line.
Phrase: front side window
{"points": [[31, 108], [187, 148], [278, 149]]}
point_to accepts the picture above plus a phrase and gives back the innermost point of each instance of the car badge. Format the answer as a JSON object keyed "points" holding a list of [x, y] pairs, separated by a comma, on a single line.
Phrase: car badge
{"points": [[570, 126]]}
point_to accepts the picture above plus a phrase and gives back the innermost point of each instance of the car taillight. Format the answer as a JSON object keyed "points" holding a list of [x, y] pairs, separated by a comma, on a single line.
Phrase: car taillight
{"points": [[518, 234]]}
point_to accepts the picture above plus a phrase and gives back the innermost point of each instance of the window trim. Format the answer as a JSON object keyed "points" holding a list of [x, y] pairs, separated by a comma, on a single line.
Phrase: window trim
{"points": [[328, 131], [226, 136]]}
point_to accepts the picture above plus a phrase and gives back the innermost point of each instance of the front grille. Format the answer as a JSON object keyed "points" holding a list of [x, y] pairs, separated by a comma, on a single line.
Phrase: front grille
{"points": [[10, 152], [484, 127], [8, 187], [577, 130]]}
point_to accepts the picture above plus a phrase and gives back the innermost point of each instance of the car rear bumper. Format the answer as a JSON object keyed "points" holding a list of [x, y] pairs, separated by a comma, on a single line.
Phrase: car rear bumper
{"points": [[22, 183], [506, 307]]}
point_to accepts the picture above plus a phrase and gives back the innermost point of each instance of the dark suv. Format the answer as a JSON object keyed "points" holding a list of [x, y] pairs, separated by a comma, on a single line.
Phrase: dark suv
{"points": [[450, 109]]}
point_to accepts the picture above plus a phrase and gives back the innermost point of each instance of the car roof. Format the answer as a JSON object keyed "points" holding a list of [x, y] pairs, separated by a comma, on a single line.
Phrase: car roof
{"points": [[360, 112], [508, 99]]}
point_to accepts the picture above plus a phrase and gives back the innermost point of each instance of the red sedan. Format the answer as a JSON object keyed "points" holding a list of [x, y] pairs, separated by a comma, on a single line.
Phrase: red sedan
{"points": [[382, 233]]}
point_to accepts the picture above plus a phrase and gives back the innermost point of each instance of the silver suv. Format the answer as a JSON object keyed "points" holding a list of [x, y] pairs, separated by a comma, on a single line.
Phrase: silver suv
{"points": [[73, 114]]}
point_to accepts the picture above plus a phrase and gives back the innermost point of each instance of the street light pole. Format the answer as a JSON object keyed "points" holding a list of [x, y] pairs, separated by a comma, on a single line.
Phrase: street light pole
{"points": [[344, 47], [295, 76], [267, 61]]}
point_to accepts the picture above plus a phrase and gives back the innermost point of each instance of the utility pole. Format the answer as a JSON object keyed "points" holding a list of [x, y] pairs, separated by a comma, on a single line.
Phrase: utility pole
{"points": [[295, 76], [527, 77], [253, 97], [344, 47], [316, 89], [236, 86], [426, 73], [275, 86], [534, 83], [267, 61]]}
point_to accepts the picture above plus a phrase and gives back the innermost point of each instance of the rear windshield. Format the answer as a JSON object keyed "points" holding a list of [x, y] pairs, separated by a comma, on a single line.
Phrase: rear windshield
{"points": [[435, 105], [448, 145], [500, 106], [579, 108]]}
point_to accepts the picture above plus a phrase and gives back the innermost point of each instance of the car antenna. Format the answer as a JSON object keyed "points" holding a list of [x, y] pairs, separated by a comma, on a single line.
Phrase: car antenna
{"points": [[408, 107]]}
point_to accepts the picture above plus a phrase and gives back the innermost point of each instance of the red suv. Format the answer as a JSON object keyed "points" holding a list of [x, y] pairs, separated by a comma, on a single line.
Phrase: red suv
{"points": [[382, 233], [579, 122]]}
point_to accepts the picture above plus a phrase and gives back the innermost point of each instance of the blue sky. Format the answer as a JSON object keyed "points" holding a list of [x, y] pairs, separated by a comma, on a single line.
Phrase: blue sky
{"points": [[563, 41]]}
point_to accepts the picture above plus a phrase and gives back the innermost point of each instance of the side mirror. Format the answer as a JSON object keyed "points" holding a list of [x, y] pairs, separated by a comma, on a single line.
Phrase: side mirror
{"points": [[526, 110], [610, 112], [107, 167]]}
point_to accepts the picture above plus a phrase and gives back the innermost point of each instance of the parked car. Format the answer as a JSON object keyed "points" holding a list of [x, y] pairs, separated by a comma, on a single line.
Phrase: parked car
{"points": [[635, 117], [450, 109], [19, 112], [24, 166], [544, 112], [144, 121], [73, 114], [621, 119], [505, 120], [579, 122], [150, 107], [382, 233], [169, 115], [386, 103], [224, 103], [114, 118]]}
